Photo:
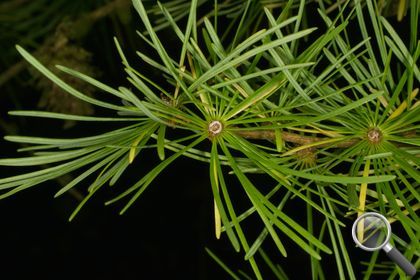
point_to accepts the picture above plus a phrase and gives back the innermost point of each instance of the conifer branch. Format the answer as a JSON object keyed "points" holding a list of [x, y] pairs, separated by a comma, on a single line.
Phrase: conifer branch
{"points": [[293, 138]]}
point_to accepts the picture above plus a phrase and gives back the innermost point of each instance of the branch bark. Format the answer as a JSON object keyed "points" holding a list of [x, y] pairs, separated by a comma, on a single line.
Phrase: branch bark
{"points": [[293, 138]]}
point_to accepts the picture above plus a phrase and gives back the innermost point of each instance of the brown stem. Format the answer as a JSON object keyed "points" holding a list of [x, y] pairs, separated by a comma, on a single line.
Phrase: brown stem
{"points": [[107, 9], [11, 72], [292, 137]]}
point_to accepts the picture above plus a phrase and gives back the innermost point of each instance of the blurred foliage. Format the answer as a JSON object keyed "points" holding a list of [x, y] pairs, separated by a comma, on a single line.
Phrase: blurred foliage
{"points": [[57, 32]]}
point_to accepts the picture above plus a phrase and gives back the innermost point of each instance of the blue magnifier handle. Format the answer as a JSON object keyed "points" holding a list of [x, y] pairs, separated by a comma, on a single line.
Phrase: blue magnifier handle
{"points": [[401, 261]]}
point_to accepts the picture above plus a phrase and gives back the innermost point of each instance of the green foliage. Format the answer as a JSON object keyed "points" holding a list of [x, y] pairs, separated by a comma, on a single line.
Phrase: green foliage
{"points": [[326, 120]]}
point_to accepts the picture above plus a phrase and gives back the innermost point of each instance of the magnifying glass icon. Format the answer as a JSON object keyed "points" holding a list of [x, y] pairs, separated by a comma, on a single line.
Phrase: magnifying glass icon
{"points": [[372, 231]]}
